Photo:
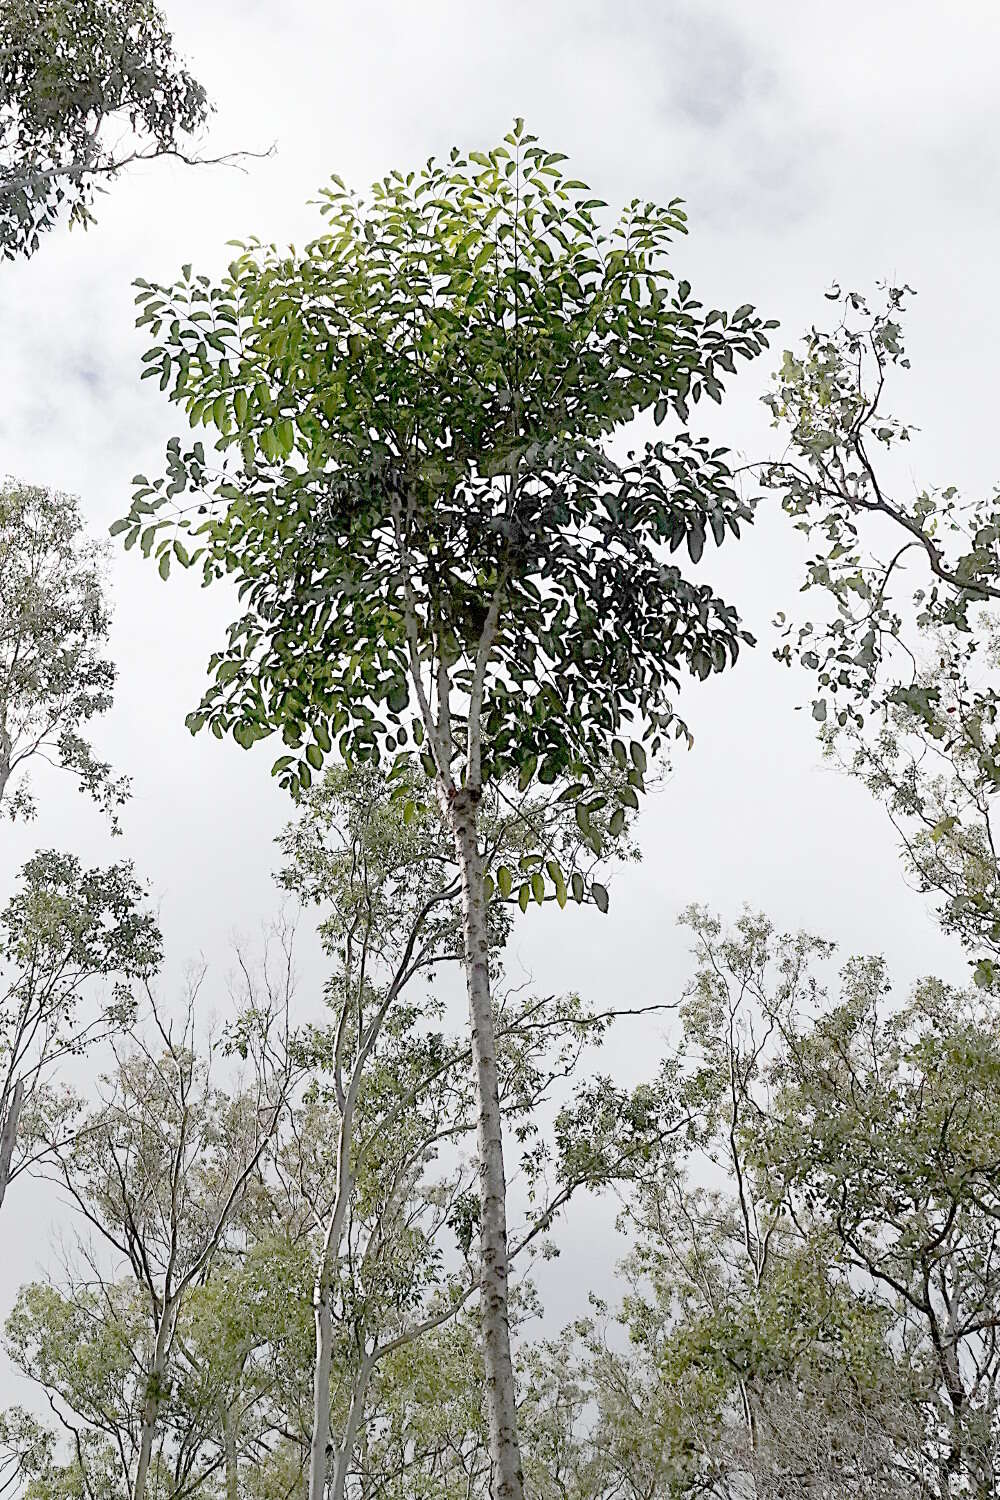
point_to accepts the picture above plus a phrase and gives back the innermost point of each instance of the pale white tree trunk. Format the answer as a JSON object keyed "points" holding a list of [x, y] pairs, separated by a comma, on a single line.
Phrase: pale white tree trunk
{"points": [[507, 1481], [230, 1449], [322, 1366], [8, 1134], [154, 1397], [345, 1451], [320, 1442], [6, 749]]}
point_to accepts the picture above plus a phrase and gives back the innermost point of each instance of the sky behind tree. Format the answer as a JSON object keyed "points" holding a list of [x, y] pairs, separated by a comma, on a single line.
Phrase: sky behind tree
{"points": [[807, 150]]}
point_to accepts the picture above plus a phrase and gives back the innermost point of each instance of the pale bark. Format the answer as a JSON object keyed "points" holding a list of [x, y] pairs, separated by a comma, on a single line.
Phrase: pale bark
{"points": [[322, 1365], [6, 755], [229, 1419], [154, 1397], [345, 1452], [8, 1134], [320, 1441], [507, 1481]]}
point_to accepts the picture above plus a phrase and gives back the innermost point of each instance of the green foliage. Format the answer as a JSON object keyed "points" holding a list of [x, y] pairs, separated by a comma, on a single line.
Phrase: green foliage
{"points": [[859, 1139], [75, 75], [66, 924], [73, 944], [54, 622], [417, 497], [905, 675]]}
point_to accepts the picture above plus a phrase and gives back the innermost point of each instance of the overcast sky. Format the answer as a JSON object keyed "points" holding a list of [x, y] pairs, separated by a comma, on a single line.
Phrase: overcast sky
{"points": [[811, 143]]}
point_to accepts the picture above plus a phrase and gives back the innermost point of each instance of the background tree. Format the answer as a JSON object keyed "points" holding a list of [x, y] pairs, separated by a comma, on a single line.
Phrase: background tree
{"points": [[54, 622], [73, 942], [86, 88], [158, 1170], [843, 1287], [905, 666], [434, 542]]}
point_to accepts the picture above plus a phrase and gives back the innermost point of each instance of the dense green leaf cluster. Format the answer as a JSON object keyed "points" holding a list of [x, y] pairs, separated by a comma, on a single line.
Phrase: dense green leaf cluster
{"points": [[415, 413]]}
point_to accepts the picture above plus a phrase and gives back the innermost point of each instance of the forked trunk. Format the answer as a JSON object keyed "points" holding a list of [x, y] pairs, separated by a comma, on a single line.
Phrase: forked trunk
{"points": [[507, 1481]]}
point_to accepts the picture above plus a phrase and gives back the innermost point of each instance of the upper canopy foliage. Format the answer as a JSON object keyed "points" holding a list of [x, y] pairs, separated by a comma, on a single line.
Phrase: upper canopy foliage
{"points": [[418, 484], [54, 622], [69, 69]]}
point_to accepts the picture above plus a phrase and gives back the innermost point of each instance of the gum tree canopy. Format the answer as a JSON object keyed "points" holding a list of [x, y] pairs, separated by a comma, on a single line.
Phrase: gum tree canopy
{"points": [[437, 547], [73, 73]]}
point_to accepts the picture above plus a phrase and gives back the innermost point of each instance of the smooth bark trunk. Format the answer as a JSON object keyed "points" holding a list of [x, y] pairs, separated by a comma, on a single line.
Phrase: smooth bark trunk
{"points": [[320, 1443], [151, 1406], [507, 1481], [232, 1459], [345, 1452], [8, 1135]]}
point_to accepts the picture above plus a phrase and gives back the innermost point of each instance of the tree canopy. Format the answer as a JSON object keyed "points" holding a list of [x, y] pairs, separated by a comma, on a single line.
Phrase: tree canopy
{"points": [[86, 87], [414, 415]]}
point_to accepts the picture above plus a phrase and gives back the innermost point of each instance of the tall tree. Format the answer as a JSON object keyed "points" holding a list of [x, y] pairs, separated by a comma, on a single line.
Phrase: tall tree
{"points": [[842, 1289], [435, 544], [392, 1090], [54, 622], [86, 88]]}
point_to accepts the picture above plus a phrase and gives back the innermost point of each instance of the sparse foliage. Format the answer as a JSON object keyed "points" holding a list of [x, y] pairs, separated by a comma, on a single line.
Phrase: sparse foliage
{"points": [[54, 623], [86, 88]]}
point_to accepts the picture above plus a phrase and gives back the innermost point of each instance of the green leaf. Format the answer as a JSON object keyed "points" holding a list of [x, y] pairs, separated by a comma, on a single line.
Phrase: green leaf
{"points": [[600, 895]]}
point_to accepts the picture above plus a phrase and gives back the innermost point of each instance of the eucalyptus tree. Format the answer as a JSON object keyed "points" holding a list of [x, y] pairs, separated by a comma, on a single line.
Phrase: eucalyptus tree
{"points": [[54, 624], [841, 1288], [436, 547], [158, 1169], [74, 945], [887, 1133], [84, 1339], [87, 87], [904, 647]]}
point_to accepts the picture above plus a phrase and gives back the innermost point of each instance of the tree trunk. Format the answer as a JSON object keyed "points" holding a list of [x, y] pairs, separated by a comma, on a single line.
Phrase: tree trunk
{"points": [[229, 1443], [345, 1450], [5, 753], [151, 1406], [507, 1480], [8, 1134], [320, 1442]]}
